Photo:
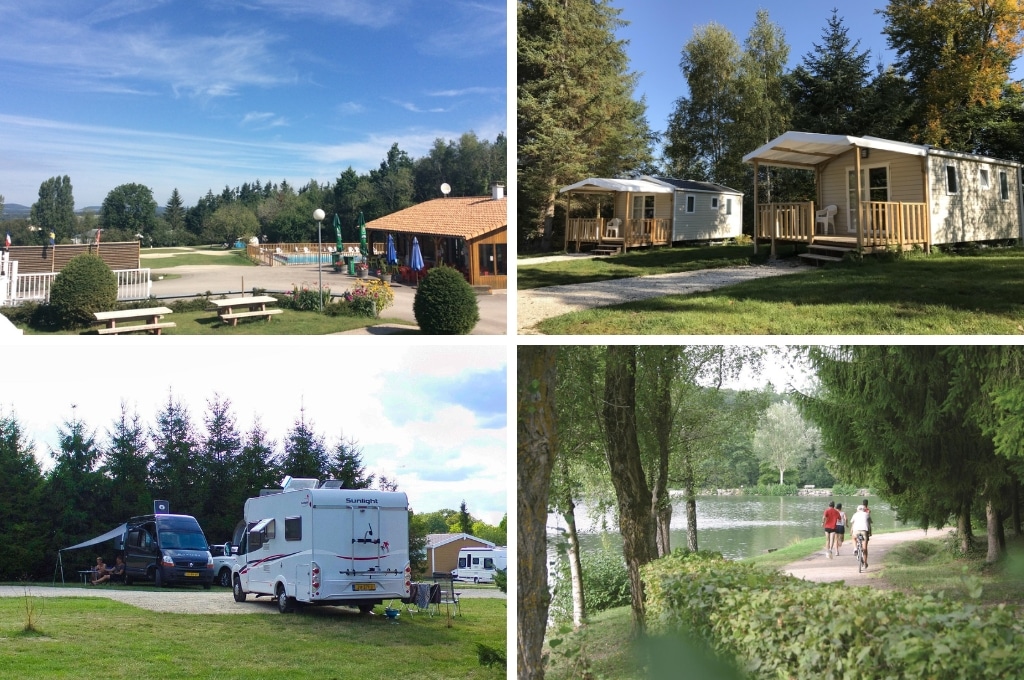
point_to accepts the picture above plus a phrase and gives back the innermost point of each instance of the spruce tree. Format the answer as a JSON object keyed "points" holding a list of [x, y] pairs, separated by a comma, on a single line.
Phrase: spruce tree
{"points": [[305, 454], [174, 212], [575, 107], [21, 482]]}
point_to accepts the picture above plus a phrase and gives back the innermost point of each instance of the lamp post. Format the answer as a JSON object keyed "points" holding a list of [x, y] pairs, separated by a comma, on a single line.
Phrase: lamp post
{"points": [[318, 215]]}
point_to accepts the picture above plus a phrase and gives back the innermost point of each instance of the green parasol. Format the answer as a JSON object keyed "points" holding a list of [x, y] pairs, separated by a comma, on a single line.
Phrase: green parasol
{"points": [[337, 233], [364, 248]]}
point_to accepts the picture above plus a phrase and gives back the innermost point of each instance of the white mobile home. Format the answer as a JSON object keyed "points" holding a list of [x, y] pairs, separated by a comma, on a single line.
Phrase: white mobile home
{"points": [[653, 211], [325, 545], [907, 195], [479, 564]]}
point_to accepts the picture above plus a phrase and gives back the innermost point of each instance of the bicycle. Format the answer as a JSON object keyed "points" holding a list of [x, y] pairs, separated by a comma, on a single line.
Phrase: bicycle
{"points": [[859, 552]]}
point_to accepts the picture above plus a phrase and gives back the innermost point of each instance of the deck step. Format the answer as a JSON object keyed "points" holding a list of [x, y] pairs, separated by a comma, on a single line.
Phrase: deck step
{"points": [[837, 249], [820, 258], [605, 251]]}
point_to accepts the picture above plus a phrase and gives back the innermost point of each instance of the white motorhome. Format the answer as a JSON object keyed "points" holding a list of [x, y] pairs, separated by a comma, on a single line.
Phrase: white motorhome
{"points": [[321, 544], [479, 564]]}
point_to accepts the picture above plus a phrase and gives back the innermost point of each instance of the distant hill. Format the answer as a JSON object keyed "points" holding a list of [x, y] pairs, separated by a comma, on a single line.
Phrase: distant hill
{"points": [[13, 211]]}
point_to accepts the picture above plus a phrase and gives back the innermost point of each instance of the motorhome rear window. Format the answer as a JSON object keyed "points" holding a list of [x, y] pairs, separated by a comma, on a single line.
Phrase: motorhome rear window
{"points": [[293, 528]]}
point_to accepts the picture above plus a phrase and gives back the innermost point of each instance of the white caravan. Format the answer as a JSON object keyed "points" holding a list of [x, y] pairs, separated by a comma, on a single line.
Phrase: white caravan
{"points": [[479, 564], [324, 545]]}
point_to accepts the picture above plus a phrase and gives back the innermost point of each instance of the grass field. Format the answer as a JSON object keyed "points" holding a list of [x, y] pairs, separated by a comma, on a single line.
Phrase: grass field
{"points": [[236, 259], [939, 294], [288, 322], [98, 638], [636, 263]]}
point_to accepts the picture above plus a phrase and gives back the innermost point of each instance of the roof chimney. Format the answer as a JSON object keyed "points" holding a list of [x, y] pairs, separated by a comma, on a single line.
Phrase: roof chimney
{"points": [[497, 191]]}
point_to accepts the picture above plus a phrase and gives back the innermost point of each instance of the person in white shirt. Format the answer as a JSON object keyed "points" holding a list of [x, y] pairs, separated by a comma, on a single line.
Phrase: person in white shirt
{"points": [[860, 524]]}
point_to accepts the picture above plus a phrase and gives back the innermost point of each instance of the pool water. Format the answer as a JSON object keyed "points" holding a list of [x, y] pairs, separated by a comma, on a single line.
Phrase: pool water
{"points": [[303, 258]]}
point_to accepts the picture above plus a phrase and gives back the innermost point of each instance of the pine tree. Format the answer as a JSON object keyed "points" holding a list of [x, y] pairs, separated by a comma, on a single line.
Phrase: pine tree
{"points": [[346, 464], [829, 87], [305, 454], [174, 211], [75, 487], [21, 482], [177, 460], [575, 107], [126, 466], [221, 446]]}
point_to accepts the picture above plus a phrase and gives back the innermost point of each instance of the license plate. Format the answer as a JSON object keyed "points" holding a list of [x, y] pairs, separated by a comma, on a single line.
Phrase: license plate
{"points": [[192, 574], [364, 586]]}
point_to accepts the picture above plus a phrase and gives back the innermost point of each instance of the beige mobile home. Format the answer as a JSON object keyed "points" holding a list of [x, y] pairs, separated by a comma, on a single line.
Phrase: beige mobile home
{"points": [[652, 211], [908, 196]]}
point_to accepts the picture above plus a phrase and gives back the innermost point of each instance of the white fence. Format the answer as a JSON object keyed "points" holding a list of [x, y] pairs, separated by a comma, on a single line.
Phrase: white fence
{"points": [[132, 284]]}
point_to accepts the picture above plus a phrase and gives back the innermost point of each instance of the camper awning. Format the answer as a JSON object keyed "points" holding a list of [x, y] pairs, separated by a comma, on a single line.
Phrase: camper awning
{"points": [[604, 185], [261, 525], [113, 533], [810, 149]]}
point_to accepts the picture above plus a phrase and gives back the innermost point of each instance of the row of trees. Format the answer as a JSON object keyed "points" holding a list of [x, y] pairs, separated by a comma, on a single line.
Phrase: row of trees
{"points": [[948, 86], [205, 469], [276, 211], [936, 431]]}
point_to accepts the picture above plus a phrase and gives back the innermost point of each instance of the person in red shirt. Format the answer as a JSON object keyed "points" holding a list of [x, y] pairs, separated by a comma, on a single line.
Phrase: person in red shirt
{"points": [[828, 521]]}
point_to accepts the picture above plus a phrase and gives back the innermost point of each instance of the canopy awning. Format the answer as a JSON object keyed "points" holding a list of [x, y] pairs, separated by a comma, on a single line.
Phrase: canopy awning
{"points": [[604, 185], [810, 149], [113, 533]]}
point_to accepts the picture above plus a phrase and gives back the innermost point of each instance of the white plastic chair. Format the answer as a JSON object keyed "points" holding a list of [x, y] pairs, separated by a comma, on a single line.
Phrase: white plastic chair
{"points": [[826, 218], [611, 230]]}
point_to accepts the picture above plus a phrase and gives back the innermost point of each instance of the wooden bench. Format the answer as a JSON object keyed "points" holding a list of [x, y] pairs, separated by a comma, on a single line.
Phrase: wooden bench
{"points": [[150, 318], [255, 304]]}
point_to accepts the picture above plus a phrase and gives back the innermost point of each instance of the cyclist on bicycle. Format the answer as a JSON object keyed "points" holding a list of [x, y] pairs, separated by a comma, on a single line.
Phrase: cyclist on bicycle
{"points": [[860, 524]]}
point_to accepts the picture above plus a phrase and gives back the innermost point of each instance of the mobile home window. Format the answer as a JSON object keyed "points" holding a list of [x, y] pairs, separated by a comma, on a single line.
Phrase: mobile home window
{"points": [[293, 528], [1004, 186], [462, 563], [951, 186], [691, 204], [728, 206], [643, 207], [983, 178], [714, 203]]}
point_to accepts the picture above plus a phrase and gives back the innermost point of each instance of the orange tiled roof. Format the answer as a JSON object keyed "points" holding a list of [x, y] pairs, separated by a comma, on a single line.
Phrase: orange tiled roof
{"points": [[462, 217]]}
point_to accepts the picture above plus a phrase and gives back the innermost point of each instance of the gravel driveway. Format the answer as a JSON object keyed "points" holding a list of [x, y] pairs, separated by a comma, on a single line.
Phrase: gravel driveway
{"points": [[536, 305], [180, 601]]}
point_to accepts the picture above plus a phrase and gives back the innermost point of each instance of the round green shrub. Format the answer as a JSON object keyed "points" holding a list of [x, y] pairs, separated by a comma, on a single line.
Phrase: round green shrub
{"points": [[445, 304], [85, 285]]}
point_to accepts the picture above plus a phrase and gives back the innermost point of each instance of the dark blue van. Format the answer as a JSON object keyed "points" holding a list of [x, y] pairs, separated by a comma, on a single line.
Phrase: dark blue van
{"points": [[167, 549]]}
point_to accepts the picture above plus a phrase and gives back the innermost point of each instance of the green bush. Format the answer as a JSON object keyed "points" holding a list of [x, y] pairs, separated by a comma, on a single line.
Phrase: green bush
{"points": [[445, 304], [840, 489], [85, 285], [771, 490], [780, 626], [605, 584]]}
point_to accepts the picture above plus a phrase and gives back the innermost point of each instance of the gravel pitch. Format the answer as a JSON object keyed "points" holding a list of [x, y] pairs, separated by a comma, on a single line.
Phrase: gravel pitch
{"points": [[536, 305], [180, 601]]}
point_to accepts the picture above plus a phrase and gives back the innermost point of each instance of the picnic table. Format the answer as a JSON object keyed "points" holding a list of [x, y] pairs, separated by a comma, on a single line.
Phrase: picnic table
{"points": [[254, 305], [150, 318]]}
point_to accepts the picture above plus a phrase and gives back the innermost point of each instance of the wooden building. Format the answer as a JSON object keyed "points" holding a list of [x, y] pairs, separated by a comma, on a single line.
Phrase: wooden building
{"points": [[470, 234], [907, 196], [443, 550], [48, 259]]}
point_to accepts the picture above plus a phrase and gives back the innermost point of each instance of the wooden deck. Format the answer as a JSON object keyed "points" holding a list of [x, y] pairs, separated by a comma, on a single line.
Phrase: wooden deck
{"points": [[598, 231], [886, 226]]}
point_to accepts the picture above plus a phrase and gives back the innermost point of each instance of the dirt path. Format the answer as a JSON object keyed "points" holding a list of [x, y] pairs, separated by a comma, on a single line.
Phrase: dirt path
{"points": [[536, 305], [819, 568]]}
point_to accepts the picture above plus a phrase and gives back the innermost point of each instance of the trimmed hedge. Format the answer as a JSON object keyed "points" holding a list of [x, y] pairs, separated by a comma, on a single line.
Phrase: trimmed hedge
{"points": [[779, 626], [85, 285], [445, 303]]}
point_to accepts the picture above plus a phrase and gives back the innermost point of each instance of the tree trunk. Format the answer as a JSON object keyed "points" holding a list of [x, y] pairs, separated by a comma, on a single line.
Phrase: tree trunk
{"points": [[963, 529], [691, 518], [549, 223], [536, 447], [623, 453], [579, 607], [993, 522], [664, 530], [661, 412], [1015, 508], [781, 471]]}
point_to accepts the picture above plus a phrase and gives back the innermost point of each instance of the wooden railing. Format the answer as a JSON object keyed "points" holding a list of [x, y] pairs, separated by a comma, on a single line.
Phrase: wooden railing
{"points": [[897, 224], [630, 233], [786, 221]]}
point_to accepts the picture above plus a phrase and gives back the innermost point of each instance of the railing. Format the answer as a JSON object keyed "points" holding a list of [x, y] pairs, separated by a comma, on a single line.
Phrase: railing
{"points": [[630, 233], [132, 284], [265, 253], [894, 224], [786, 221]]}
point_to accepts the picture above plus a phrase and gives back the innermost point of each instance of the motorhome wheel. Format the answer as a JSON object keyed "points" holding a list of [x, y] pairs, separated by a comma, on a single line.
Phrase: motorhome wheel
{"points": [[237, 591], [285, 604]]}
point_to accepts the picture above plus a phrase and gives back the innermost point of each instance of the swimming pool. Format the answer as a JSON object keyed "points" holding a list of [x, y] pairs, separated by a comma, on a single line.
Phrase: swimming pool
{"points": [[303, 258]]}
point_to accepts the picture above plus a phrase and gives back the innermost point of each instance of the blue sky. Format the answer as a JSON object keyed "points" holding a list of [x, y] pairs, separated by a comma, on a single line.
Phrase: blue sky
{"points": [[202, 95], [407, 406], [660, 28]]}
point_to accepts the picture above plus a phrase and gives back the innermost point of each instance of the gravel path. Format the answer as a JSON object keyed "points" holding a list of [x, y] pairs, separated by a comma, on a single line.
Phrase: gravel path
{"points": [[819, 568], [534, 306], [181, 601]]}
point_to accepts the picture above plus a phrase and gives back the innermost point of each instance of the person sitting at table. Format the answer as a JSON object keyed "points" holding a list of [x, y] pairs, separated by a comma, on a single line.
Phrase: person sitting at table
{"points": [[101, 574], [117, 572]]}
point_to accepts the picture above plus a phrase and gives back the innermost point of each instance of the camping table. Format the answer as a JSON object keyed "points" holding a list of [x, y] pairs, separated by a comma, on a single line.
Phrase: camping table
{"points": [[149, 317], [256, 305]]}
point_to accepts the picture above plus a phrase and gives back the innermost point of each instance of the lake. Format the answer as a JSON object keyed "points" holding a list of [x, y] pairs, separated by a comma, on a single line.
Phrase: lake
{"points": [[743, 526]]}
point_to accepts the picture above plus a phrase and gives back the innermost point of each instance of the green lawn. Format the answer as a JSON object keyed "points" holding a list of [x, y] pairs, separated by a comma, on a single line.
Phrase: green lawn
{"points": [[99, 638], [635, 263], [938, 294], [236, 259], [288, 322]]}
